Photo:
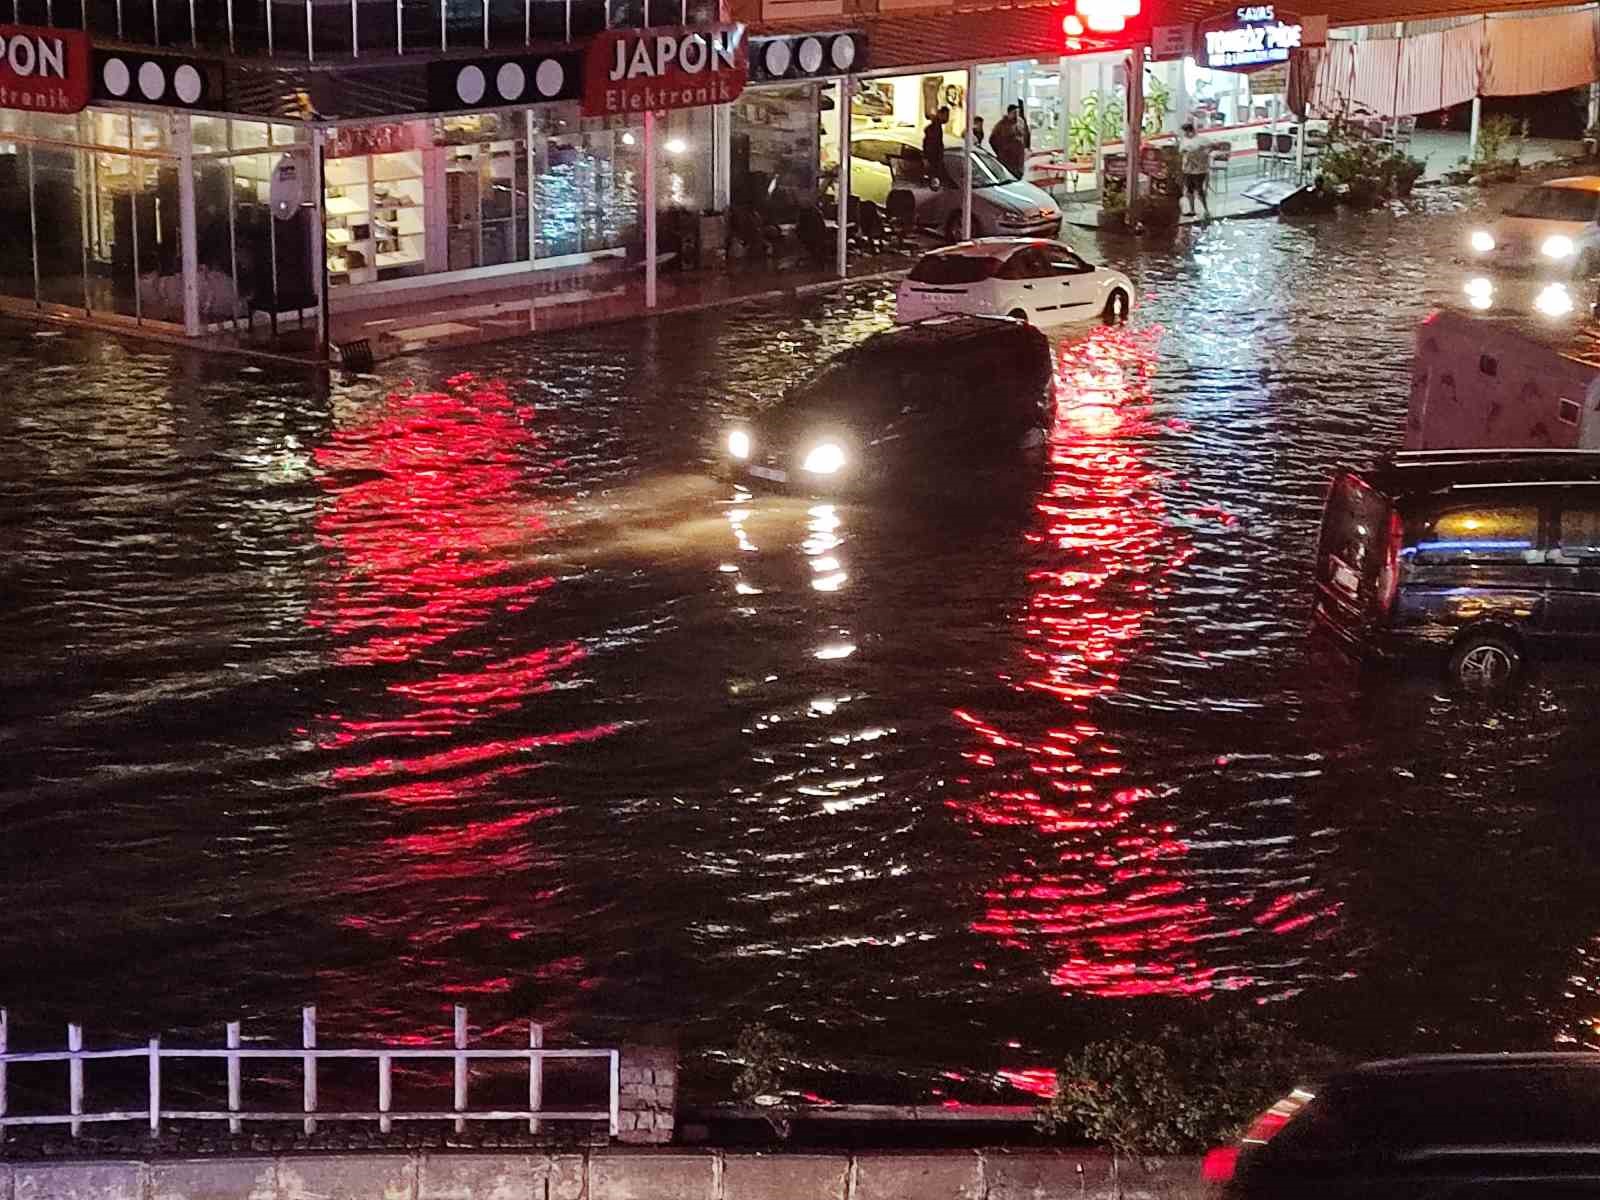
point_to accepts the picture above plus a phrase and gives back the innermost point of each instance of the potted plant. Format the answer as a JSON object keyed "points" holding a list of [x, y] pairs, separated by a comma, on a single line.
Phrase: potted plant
{"points": [[1404, 171]]}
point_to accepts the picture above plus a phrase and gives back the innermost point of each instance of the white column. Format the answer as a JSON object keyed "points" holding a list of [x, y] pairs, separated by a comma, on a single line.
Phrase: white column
{"points": [[722, 160], [1594, 105], [1472, 138], [319, 248], [649, 210], [188, 240], [1134, 127], [966, 141], [842, 186]]}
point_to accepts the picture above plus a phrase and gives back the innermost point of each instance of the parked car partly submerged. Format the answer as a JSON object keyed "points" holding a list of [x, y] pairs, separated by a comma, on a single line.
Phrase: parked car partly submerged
{"points": [[882, 160], [1488, 557], [1034, 280], [1462, 1127], [949, 404], [1553, 227]]}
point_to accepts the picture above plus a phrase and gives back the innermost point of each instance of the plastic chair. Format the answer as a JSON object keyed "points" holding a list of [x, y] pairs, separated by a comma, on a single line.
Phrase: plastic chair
{"points": [[1403, 129], [1221, 159], [1265, 154]]}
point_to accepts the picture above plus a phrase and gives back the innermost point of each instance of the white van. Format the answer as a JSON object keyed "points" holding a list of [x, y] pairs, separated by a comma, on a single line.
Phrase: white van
{"points": [[1503, 382]]}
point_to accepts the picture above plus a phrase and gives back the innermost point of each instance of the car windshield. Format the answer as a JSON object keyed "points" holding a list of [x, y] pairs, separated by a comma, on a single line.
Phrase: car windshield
{"points": [[1556, 204], [954, 268], [987, 170]]}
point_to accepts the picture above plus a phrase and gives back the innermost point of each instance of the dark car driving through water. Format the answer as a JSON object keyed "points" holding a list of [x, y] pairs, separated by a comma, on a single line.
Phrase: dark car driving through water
{"points": [[949, 403], [1487, 557], [1441, 1127]]}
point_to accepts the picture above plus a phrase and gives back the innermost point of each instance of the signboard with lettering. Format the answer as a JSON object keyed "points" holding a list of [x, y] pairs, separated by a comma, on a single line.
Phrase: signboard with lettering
{"points": [[44, 70], [1168, 42], [1247, 37], [653, 70]]}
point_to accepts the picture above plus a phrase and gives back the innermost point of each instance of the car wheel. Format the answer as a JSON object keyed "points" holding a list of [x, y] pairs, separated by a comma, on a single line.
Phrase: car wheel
{"points": [[1485, 662], [1116, 310], [1019, 314]]}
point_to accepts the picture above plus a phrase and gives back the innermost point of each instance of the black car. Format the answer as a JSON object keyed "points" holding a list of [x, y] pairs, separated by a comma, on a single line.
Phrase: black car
{"points": [[1448, 1127], [1488, 557], [941, 403]]}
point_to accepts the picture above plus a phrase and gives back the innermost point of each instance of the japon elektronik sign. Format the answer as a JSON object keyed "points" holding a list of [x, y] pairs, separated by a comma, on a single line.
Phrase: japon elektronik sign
{"points": [[1247, 37], [44, 70], [654, 70]]}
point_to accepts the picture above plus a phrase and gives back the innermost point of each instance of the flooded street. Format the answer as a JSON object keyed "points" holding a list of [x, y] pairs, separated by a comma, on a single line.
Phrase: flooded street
{"points": [[468, 684]]}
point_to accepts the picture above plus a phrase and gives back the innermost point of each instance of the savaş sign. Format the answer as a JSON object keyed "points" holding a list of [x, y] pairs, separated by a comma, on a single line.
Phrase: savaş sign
{"points": [[652, 70], [1254, 36], [43, 70]]}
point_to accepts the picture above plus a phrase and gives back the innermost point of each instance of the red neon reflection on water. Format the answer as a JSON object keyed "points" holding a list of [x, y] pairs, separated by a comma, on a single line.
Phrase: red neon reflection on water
{"points": [[427, 517], [1101, 892]]}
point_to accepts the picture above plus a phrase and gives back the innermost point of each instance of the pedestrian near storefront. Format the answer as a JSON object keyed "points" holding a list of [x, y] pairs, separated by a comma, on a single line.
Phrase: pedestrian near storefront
{"points": [[1195, 155], [1006, 142], [977, 131], [933, 149]]}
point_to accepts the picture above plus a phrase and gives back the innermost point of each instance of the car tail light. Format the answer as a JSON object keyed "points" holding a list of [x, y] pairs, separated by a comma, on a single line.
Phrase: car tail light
{"points": [[1389, 577], [1219, 1165]]}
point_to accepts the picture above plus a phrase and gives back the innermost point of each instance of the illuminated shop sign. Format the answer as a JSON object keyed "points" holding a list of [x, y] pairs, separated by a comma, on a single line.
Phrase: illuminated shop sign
{"points": [[43, 70], [653, 70], [1251, 36]]}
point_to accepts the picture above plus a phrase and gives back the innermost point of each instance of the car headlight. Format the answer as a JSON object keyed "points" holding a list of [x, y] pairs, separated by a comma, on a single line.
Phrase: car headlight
{"points": [[1482, 241], [1480, 292], [1554, 301], [1557, 246], [825, 459], [739, 444]]}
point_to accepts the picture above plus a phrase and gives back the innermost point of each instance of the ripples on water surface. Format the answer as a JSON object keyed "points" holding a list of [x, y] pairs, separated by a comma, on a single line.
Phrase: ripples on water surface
{"points": [[447, 687]]}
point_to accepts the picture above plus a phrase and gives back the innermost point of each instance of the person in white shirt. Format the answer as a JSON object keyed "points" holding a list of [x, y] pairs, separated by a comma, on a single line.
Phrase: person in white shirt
{"points": [[1195, 154]]}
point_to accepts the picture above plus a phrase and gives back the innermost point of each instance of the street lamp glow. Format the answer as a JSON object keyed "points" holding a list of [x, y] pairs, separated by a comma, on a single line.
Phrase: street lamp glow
{"points": [[1482, 241], [1554, 301]]}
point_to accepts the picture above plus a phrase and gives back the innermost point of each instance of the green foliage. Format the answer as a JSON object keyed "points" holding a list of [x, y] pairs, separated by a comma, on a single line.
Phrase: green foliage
{"points": [[1405, 171], [1099, 119], [1494, 135], [764, 1052], [1179, 1091], [1157, 104]]}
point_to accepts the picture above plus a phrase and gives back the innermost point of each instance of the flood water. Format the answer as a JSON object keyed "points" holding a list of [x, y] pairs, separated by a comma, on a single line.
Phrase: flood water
{"points": [[442, 688]]}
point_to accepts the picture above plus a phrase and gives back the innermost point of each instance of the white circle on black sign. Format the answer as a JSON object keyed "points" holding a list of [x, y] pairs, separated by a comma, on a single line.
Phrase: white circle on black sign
{"points": [[470, 85], [810, 56], [550, 77], [115, 75], [152, 81], [509, 82], [843, 52], [776, 57], [186, 82]]}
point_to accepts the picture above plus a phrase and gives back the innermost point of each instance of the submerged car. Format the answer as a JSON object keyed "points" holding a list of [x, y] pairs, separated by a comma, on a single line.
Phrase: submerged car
{"points": [[1487, 557], [1506, 1126], [930, 407], [1030, 279], [884, 160], [1552, 228]]}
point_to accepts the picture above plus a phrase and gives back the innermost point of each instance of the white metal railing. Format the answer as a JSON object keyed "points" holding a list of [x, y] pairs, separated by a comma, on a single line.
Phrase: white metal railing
{"points": [[234, 1054]]}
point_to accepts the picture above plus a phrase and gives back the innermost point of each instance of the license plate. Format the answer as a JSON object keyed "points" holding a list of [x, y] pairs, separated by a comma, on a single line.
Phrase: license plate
{"points": [[1344, 578], [774, 475]]}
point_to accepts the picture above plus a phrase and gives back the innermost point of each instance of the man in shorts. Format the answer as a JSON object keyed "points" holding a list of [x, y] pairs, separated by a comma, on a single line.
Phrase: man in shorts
{"points": [[1196, 157]]}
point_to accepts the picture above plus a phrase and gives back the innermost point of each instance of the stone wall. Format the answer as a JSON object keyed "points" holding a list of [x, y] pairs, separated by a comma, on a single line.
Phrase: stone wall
{"points": [[620, 1174], [649, 1095]]}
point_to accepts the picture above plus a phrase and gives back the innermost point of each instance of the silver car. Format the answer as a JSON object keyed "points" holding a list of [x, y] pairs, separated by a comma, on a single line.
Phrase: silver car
{"points": [[1002, 204]]}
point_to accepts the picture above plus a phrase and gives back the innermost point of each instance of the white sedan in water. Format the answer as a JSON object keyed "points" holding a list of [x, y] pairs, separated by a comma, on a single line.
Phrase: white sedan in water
{"points": [[1038, 281]]}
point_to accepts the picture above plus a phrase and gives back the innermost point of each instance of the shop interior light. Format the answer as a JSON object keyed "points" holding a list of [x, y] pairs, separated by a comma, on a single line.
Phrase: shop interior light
{"points": [[627, 138], [676, 145]]}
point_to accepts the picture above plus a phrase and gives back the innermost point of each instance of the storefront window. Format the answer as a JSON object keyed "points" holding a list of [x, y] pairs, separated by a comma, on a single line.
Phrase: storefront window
{"points": [[776, 146], [58, 189], [486, 197], [16, 211], [588, 182]]}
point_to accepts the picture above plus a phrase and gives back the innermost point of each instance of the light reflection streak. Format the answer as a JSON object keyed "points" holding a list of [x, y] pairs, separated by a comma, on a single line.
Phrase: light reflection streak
{"points": [[1098, 890]]}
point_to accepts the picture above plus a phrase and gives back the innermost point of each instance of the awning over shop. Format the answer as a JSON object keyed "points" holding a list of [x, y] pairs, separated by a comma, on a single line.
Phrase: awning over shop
{"points": [[1494, 56], [1372, 12]]}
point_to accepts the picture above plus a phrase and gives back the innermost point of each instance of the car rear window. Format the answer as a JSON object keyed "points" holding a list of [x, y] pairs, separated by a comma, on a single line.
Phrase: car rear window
{"points": [[1556, 204], [948, 269], [1479, 533]]}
